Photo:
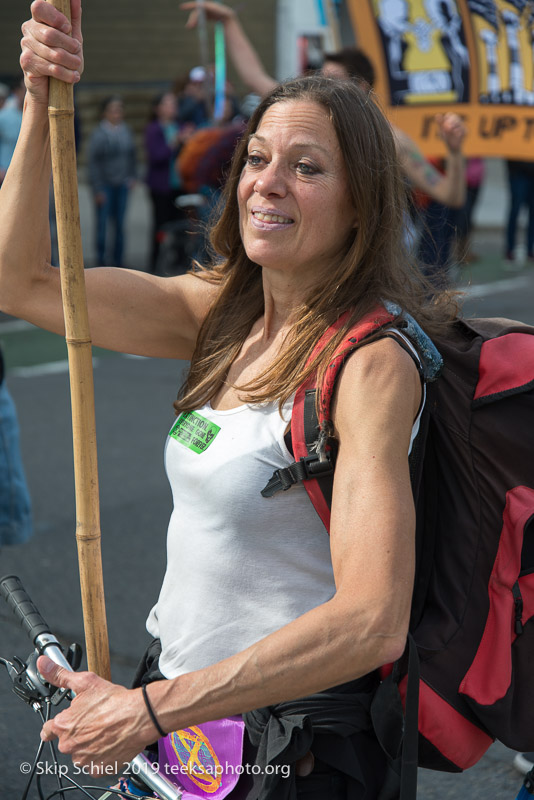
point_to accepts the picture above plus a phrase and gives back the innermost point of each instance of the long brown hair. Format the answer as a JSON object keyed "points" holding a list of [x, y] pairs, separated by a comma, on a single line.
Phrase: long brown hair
{"points": [[375, 266]]}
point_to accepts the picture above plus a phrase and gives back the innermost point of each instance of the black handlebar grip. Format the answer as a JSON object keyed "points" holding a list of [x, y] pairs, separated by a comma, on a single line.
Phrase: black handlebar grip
{"points": [[17, 598]]}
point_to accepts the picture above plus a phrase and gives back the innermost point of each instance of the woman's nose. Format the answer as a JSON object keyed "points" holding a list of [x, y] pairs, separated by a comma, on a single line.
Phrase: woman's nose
{"points": [[272, 180]]}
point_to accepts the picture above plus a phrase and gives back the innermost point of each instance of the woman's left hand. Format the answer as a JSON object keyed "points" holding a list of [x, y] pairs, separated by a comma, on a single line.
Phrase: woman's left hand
{"points": [[104, 727]]}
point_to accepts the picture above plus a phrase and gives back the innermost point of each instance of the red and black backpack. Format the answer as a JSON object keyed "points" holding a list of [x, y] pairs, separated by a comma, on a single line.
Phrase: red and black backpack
{"points": [[472, 618]]}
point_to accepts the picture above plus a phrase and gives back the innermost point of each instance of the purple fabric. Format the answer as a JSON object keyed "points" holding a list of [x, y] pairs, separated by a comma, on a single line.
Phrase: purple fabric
{"points": [[159, 157], [203, 759]]}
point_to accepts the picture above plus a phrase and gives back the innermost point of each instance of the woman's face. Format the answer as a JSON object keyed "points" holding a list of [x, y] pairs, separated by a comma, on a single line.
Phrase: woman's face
{"points": [[294, 203], [167, 108], [114, 112]]}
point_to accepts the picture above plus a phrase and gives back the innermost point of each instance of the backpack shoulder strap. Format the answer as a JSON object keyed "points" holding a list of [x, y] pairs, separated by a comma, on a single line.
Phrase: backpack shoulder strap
{"points": [[313, 448]]}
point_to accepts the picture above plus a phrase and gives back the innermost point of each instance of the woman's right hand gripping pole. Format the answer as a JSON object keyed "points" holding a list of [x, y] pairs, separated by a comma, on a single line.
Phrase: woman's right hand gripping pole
{"points": [[52, 47]]}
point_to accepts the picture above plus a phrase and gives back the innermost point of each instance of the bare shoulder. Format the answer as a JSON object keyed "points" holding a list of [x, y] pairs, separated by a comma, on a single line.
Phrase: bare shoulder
{"points": [[383, 362], [379, 391], [198, 291], [181, 305]]}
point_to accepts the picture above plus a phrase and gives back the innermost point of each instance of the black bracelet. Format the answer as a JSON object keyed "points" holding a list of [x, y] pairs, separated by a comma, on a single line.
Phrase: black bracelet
{"points": [[151, 712]]}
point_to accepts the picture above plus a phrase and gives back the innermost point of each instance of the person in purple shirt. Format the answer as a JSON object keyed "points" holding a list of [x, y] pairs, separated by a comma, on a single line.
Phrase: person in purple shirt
{"points": [[162, 144]]}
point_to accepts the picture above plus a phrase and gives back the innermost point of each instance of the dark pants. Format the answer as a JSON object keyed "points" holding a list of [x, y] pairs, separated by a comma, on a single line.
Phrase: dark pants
{"points": [[112, 209], [463, 217], [437, 235], [164, 210], [521, 193]]}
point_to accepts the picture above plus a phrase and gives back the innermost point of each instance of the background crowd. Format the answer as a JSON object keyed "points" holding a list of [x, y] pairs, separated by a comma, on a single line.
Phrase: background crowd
{"points": [[181, 158]]}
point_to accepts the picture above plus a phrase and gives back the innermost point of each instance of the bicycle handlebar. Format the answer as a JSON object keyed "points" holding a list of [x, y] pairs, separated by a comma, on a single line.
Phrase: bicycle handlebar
{"points": [[20, 603], [18, 599]]}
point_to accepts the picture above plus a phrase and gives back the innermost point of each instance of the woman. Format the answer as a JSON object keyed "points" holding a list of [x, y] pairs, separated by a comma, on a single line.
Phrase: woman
{"points": [[162, 145], [312, 227], [112, 173]]}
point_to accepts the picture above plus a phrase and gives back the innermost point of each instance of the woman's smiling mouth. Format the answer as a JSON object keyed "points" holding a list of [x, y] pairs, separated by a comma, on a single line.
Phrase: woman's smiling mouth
{"points": [[269, 219]]}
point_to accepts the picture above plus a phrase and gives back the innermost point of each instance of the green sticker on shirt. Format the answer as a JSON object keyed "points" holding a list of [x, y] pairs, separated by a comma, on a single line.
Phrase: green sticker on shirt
{"points": [[194, 431]]}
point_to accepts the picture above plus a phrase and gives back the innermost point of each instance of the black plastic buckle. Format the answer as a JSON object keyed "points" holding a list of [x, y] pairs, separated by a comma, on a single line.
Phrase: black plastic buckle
{"points": [[315, 468], [308, 467]]}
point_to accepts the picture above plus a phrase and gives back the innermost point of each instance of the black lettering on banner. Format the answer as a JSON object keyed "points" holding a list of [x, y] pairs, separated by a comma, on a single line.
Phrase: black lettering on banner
{"points": [[426, 126], [529, 128], [494, 129], [482, 129], [503, 124]]}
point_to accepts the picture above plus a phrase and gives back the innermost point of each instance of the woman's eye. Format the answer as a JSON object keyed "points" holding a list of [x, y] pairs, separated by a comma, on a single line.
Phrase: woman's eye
{"points": [[253, 160], [306, 169]]}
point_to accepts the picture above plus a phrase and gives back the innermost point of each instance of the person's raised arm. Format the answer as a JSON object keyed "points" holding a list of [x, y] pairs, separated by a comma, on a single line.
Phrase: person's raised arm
{"points": [[128, 311], [363, 626], [449, 188], [244, 57]]}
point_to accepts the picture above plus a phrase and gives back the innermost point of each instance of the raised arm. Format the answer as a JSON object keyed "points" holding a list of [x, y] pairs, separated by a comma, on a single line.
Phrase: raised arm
{"points": [[244, 57], [449, 188], [129, 311], [363, 626]]}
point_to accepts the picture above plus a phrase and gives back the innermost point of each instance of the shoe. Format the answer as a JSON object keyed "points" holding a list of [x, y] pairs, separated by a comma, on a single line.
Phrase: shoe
{"points": [[524, 762], [510, 264]]}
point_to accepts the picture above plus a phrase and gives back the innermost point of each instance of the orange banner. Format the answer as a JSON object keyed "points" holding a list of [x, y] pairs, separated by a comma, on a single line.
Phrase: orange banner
{"points": [[474, 57]]}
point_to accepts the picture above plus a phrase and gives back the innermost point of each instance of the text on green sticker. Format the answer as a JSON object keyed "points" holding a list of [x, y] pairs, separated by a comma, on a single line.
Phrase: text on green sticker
{"points": [[194, 431]]}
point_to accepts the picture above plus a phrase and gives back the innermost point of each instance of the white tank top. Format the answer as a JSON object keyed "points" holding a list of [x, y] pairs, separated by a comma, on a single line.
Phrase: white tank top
{"points": [[239, 566]]}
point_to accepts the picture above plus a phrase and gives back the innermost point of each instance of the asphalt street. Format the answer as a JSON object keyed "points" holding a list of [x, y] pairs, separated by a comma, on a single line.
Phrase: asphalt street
{"points": [[134, 412]]}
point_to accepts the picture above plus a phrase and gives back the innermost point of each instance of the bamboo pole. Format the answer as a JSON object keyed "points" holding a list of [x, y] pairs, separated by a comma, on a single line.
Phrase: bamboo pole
{"points": [[78, 338]]}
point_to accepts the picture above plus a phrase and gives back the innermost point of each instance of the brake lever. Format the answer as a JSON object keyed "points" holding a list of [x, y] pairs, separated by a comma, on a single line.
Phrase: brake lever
{"points": [[28, 683], [26, 680]]}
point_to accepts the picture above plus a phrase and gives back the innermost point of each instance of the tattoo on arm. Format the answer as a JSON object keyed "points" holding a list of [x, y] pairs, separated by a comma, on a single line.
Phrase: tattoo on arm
{"points": [[430, 174]]}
